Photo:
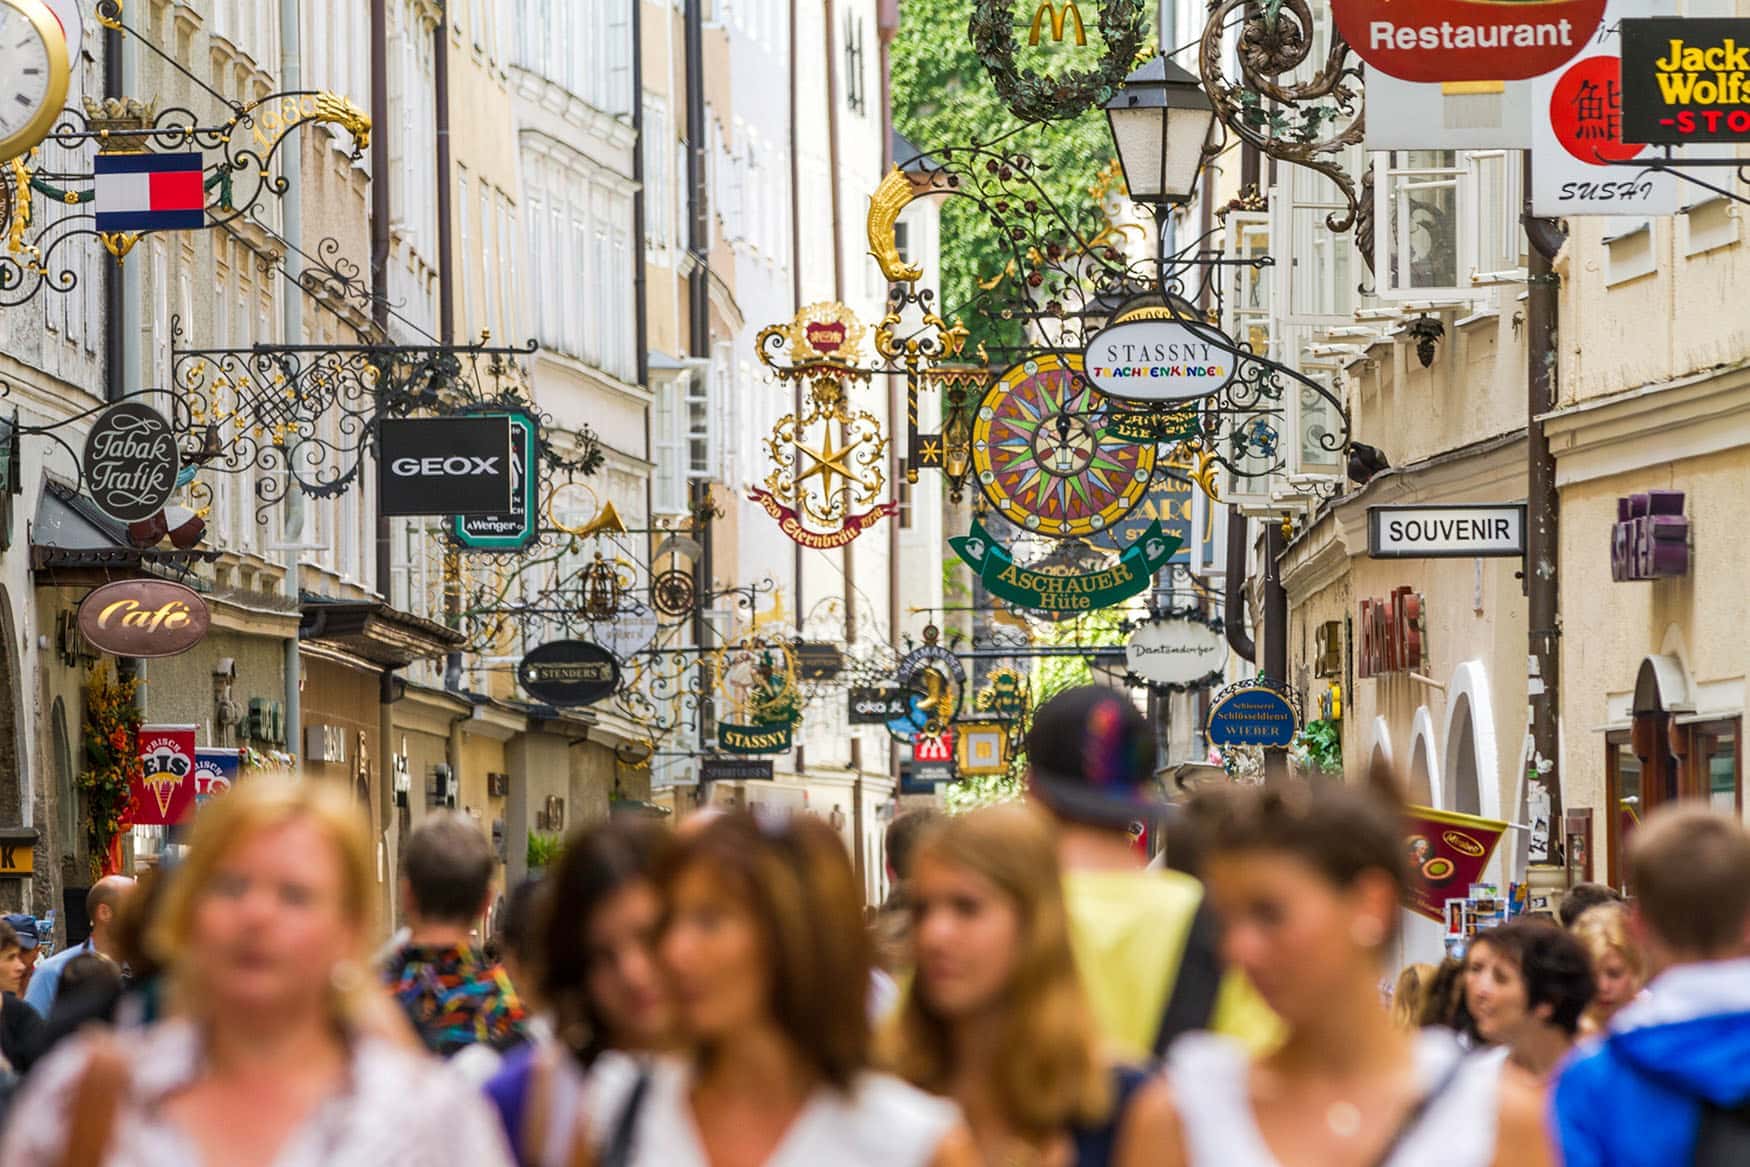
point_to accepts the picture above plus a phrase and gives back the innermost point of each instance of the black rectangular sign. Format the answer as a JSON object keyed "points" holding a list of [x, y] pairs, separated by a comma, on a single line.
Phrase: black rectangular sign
{"points": [[876, 705], [734, 770], [444, 466], [1685, 80], [924, 777]]}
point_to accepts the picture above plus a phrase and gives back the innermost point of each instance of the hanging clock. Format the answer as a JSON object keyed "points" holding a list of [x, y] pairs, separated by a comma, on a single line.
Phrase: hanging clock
{"points": [[1048, 455], [34, 72]]}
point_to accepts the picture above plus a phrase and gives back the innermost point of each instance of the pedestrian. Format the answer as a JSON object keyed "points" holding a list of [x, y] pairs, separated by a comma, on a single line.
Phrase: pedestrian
{"points": [[103, 906], [514, 944], [765, 949], [1409, 995], [1145, 941], [1308, 884], [893, 920], [1527, 984], [996, 1017], [1670, 1081], [19, 1023], [29, 934], [592, 953], [1582, 898], [453, 996], [1619, 967], [1445, 1007], [270, 1055]]}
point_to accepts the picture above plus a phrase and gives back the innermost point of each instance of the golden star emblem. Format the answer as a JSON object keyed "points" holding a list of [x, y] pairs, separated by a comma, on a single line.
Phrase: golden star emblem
{"points": [[830, 460], [930, 453]]}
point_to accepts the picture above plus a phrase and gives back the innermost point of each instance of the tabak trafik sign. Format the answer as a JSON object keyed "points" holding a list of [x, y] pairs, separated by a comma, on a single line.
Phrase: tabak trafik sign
{"points": [[1467, 40], [1685, 81], [131, 462]]}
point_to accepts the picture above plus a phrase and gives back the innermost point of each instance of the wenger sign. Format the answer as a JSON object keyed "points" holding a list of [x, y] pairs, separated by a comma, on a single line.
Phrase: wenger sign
{"points": [[1685, 81], [1467, 40]]}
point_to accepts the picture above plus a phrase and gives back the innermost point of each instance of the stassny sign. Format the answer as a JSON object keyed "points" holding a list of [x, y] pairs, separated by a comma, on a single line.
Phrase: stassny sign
{"points": [[1446, 532]]}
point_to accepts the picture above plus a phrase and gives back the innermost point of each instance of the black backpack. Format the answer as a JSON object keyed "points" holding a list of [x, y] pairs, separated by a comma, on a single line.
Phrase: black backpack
{"points": [[1722, 1138], [1191, 1005]]}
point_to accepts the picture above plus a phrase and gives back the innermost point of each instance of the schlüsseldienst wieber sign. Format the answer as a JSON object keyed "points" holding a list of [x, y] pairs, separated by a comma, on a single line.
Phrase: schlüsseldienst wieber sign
{"points": [[1487, 530]]}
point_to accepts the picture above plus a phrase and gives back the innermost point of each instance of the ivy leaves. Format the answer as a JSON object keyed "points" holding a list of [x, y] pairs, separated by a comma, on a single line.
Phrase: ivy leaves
{"points": [[1042, 97]]}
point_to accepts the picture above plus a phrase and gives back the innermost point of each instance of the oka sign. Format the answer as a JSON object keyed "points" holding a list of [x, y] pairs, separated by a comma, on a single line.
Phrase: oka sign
{"points": [[445, 466]]}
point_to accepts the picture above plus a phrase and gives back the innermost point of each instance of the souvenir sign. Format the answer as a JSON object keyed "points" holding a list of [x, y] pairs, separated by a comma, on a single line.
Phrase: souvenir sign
{"points": [[144, 618], [934, 682], [131, 462], [1159, 360], [1065, 594], [1448, 853], [984, 748], [1048, 455], [215, 772], [1467, 40], [569, 673], [1483, 530], [1685, 81], [1174, 652], [164, 792], [519, 527], [756, 680], [1254, 713]]}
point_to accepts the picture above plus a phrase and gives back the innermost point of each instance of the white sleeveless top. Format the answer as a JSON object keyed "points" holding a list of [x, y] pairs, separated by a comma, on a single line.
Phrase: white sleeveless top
{"points": [[1210, 1076], [883, 1122]]}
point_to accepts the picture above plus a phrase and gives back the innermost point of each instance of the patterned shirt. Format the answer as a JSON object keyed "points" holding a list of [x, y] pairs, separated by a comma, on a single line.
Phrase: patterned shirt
{"points": [[456, 998]]}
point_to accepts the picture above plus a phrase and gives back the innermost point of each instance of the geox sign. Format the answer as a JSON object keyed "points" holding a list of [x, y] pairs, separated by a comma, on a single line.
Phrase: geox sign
{"points": [[445, 466]]}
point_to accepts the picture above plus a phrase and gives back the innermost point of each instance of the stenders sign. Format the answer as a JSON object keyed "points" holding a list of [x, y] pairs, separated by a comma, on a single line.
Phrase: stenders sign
{"points": [[1685, 81], [1467, 40]]}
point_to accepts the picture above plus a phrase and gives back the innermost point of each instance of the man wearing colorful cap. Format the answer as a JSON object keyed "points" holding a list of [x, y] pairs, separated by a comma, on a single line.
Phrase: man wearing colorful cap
{"points": [[1144, 942]]}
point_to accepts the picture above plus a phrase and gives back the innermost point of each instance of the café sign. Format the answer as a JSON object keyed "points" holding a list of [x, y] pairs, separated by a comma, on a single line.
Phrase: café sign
{"points": [[1175, 652], [569, 673], [144, 618], [1158, 360], [1446, 532], [131, 462]]}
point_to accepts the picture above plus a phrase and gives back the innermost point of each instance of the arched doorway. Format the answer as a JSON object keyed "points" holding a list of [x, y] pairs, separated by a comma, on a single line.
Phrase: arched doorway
{"points": [[1468, 779], [1424, 764], [1647, 763], [1379, 755]]}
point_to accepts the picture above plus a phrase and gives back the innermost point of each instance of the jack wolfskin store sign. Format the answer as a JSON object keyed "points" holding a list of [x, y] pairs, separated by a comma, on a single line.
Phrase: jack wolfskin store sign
{"points": [[1685, 81]]}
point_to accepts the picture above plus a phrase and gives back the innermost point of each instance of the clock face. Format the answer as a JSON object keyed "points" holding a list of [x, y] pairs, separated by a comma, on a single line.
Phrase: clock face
{"points": [[33, 74], [1047, 455]]}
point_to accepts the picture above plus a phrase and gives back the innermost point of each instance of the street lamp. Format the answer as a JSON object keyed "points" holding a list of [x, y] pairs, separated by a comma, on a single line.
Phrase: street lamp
{"points": [[1161, 121]]}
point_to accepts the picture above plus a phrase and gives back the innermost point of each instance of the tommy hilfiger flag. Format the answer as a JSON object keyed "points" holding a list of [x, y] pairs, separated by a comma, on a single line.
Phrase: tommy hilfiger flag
{"points": [[149, 192]]}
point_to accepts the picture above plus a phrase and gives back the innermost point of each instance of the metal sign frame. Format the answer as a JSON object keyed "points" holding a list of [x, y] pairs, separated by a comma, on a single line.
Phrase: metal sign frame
{"points": [[1376, 517]]}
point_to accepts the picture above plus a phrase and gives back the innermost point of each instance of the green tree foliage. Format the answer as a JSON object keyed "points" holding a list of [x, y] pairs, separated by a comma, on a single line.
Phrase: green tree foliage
{"points": [[942, 98]]}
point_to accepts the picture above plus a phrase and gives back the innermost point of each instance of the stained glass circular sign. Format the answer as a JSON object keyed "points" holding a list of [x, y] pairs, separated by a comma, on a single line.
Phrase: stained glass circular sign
{"points": [[1048, 454]]}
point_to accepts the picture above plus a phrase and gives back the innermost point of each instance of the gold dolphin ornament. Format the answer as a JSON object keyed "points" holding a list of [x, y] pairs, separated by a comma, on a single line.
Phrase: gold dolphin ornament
{"points": [[890, 198]]}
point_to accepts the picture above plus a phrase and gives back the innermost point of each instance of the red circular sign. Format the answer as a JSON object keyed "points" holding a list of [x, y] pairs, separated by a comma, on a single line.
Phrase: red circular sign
{"points": [[1467, 40], [1585, 111]]}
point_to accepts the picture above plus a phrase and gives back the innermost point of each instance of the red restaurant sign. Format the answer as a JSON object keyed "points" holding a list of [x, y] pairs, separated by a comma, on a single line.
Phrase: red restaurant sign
{"points": [[1448, 853], [1467, 40]]}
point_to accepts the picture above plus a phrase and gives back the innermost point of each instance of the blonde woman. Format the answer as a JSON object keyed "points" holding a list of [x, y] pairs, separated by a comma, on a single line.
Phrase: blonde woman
{"points": [[268, 1057], [1410, 995], [1619, 968], [996, 1018]]}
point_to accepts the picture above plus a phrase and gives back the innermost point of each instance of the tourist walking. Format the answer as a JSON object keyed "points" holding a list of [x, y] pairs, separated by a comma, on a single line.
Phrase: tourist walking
{"points": [[1526, 985], [1619, 967]]}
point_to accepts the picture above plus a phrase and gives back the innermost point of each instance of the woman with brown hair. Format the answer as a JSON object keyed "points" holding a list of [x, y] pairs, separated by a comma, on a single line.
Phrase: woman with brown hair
{"points": [[269, 1056], [997, 1019], [1307, 883], [769, 963]]}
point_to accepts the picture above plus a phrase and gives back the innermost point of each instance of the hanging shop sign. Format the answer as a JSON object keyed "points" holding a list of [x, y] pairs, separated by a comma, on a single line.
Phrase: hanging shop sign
{"points": [[1685, 80], [790, 521], [1175, 652], [1006, 694], [569, 673], [144, 618], [1033, 96], [1651, 537], [925, 777], [933, 680], [933, 747], [519, 527], [131, 462], [1086, 592], [1459, 115], [1159, 361], [1165, 424], [1448, 853], [735, 770], [215, 772], [445, 465], [1577, 135], [769, 738], [1392, 635], [1484, 531], [1254, 713], [984, 748], [878, 704], [164, 793], [1048, 454], [17, 851], [1467, 40], [818, 661]]}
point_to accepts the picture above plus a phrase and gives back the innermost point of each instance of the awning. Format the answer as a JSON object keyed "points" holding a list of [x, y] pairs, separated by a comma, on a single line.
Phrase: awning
{"points": [[76, 543], [373, 631]]}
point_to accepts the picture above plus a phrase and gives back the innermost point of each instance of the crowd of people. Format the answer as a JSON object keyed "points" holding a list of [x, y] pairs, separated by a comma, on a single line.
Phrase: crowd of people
{"points": [[1032, 993]]}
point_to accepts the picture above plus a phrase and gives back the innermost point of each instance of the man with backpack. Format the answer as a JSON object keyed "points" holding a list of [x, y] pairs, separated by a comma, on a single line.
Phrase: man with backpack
{"points": [[1144, 940], [1669, 1085]]}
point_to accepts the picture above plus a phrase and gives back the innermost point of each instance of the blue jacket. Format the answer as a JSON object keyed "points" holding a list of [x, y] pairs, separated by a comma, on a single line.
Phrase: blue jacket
{"points": [[45, 980], [1633, 1099]]}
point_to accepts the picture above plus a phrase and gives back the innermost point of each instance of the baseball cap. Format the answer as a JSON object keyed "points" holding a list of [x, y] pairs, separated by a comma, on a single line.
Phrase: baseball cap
{"points": [[25, 926], [1092, 757]]}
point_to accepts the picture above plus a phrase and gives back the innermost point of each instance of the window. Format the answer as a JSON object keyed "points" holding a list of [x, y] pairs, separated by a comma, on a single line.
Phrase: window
{"points": [[1709, 225], [904, 488], [1660, 761], [1418, 248], [1714, 765], [855, 98], [1623, 801], [469, 314], [658, 178], [1629, 254], [489, 314], [699, 460], [668, 483]]}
